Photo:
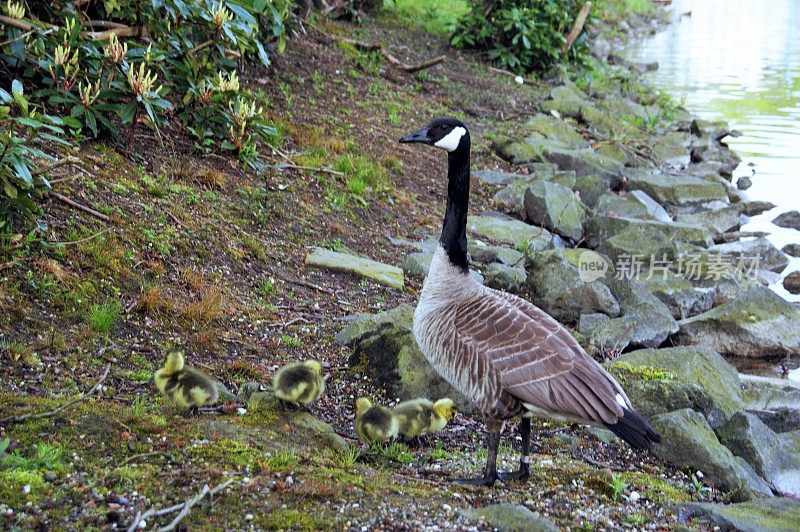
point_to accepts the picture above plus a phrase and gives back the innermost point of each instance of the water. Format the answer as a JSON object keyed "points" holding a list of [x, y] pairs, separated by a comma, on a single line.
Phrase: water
{"points": [[739, 61]]}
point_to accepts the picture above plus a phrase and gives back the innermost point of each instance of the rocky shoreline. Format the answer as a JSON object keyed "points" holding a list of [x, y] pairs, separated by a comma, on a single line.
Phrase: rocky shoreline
{"points": [[626, 228]]}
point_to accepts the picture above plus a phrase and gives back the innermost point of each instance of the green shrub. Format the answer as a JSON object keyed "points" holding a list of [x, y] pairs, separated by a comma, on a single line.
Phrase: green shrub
{"points": [[20, 124], [101, 79], [521, 35]]}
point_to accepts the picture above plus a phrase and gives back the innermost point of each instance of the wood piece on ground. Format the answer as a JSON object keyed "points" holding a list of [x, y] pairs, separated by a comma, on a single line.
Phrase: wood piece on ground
{"points": [[307, 284], [76, 205]]}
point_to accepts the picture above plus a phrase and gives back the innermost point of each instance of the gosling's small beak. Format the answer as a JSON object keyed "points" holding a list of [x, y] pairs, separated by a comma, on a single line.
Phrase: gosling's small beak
{"points": [[419, 136]]}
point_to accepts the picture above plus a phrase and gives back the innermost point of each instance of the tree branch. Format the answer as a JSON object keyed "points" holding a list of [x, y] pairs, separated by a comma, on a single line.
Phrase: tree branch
{"points": [[577, 28]]}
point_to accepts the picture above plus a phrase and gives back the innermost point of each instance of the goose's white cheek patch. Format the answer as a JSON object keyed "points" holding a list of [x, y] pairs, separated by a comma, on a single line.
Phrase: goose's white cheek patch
{"points": [[450, 141]]}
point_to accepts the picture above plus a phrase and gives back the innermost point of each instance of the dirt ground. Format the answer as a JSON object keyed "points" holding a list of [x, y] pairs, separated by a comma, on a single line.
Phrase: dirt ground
{"points": [[203, 255]]}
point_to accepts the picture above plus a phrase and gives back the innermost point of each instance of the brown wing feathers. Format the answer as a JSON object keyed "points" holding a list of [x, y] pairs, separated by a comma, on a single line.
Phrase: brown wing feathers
{"points": [[540, 363]]}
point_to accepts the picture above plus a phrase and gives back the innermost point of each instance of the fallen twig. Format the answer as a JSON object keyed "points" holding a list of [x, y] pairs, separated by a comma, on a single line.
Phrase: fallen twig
{"points": [[57, 164], [577, 28], [177, 220], [307, 284], [597, 463], [201, 46], [51, 413], [185, 507], [81, 240], [281, 166], [141, 455], [76, 205]]}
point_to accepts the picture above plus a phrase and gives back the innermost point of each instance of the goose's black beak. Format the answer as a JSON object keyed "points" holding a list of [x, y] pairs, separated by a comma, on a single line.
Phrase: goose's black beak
{"points": [[419, 136]]}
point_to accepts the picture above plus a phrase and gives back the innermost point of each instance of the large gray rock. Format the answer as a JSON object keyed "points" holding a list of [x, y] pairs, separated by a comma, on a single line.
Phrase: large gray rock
{"points": [[385, 349], [417, 264], [556, 208], [771, 457], [556, 286], [511, 199], [775, 401], [792, 282], [717, 221], [552, 128], [506, 278], [609, 335], [583, 161], [508, 231], [675, 189], [508, 517], [791, 250], [679, 295], [754, 208], [671, 146], [662, 380], [758, 323], [687, 441], [567, 100], [601, 228], [638, 240], [482, 252], [790, 219], [653, 321], [385, 274], [496, 177], [778, 514], [759, 251], [635, 204], [591, 187]]}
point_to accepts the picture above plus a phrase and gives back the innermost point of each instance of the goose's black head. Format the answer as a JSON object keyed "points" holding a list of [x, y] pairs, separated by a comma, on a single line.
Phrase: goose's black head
{"points": [[449, 134]]}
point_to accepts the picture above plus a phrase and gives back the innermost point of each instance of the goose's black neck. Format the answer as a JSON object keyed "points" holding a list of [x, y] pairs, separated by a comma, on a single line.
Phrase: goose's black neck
{"points": [[454, 230]]}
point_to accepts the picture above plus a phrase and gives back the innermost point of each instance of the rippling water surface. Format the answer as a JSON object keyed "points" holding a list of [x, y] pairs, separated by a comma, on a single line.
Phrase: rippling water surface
{"points": [[739, 61]]}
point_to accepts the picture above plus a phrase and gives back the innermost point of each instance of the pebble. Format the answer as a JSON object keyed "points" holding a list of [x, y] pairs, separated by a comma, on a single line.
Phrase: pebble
{"points": [[241, 411], [634, 496], [50, 476], [248, 517], [446, 507], [26, 489], [289, 480]]}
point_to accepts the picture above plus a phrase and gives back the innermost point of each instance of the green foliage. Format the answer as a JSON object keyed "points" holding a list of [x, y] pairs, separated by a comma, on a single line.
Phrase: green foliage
{"points": [[348, 458], [282, 460], [521, 35], [20, 125], [187, 68], [102, 317], [618, 486], [44, 456], [436, 16], [291, 341]]}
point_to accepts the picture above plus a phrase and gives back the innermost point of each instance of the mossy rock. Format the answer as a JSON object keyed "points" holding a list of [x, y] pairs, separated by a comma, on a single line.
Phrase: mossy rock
{"points": [[653, 322], [699, 379], [552, 128], [758, 323], [384, 346], [675, 189], [555, 207], [19, 487], [688, 441], [778, 514], [583, 162], [642, 240], [508, 231], [509, 518], [567, 100], [679, 295], [601, 228], [518, 153]]}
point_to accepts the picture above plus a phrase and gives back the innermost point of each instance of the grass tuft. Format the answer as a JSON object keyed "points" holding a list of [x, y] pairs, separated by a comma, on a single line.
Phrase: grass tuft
{"points": [[103, 316]]}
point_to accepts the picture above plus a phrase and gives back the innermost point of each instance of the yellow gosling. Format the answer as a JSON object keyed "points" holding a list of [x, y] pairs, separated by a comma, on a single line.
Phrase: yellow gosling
{"points": [[375, 423], [184, 385], [299, 383]]}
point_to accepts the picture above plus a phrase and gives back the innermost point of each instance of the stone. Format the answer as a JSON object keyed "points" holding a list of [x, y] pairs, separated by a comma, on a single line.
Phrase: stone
{"points": [[631, 205], [768, 257], [591, 187], [567, 100], [770, 394], [641, 240], [247, 389], [754, 208], [653, 322], [604, 122], [791, 250], [417, 264], [792, 282], [384, 274], [778, 514], [384, 348], [789, 219], [662, 380], [744, 182], [671, 146], [518, 153], [717, 221], [557, 288], [494, 177], [552, 128], [614, 150], [757, 324], [302, 425], [556, 208], [479, 251], [679, 295], [678, 189], [505, 278], [687, 441], [507, 517], [509, 231], [600, 228], [771, 457], [609, 335], [583, 162], [713, 129], [511, 199]]}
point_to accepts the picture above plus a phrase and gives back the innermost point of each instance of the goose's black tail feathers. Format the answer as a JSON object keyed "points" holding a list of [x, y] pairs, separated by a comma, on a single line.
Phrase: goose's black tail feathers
{"points": [[635, 430]]}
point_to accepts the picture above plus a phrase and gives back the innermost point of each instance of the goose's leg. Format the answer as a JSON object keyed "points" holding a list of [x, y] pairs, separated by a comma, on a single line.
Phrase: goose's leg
{"points": [[490, 473], [525, 461]]}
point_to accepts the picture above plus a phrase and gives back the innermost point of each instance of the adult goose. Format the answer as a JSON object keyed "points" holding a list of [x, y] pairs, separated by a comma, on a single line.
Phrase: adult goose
{"points": [[505, 354]]}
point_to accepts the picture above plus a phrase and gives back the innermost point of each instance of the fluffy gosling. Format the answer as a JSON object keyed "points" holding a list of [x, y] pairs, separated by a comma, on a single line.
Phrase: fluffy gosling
{"points": [[375, 423], [186, 386], [421, 416], [299, 383]]}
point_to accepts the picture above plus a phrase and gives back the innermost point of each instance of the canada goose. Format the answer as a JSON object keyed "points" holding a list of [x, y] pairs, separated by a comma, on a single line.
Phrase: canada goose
{"points": [[299, 383], [186, 386], [502, 352], [375, 423], [421, 416]]}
